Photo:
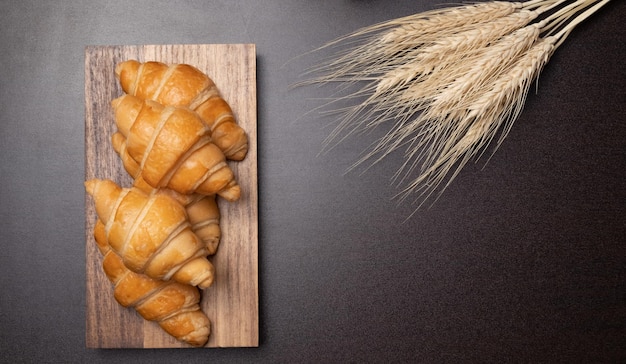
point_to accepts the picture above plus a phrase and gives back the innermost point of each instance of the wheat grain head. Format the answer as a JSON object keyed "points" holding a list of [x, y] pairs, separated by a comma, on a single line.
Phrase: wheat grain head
{"points": [[446, 83], [374, 49], [435, 95], [492, 113], [442, 58], [425, 27], [480, 68]]}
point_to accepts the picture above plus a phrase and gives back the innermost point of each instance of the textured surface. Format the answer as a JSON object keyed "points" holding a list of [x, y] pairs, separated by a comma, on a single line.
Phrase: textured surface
{"points": [[231, 303], [520, 261]]}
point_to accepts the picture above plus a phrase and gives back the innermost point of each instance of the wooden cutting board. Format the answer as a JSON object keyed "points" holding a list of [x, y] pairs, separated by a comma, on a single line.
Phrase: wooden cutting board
{"points": [[231, 303]]}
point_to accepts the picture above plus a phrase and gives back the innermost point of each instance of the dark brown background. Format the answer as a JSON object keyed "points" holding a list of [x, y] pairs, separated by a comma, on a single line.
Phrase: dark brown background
{"points": [[521, 259]]}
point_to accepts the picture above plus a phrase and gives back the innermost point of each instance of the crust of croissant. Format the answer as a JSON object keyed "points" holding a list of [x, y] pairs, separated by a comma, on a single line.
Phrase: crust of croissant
{"points": [[181, 85], [156, 220], [192, 327], [185, 85], [176, 256], [202, 169], [226, 133], [170, 297], [130, 165], [150, 78], [207, 173], [160, 242], [177, 133], [173, 149], [189, 273], [128, 74], [174, 306], [204, 216], [202, 210]]}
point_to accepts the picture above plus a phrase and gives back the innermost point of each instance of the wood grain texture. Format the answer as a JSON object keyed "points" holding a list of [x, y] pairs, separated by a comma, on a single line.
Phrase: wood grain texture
{"points": [[231, 303]]}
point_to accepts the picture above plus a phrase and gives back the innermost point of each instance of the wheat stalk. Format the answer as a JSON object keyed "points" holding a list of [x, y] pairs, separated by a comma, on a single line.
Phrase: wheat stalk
{"points": [[491, 61], [449, 105], [493, 111], [446, 83], [381, 43], [448, 51], [433, 24]]}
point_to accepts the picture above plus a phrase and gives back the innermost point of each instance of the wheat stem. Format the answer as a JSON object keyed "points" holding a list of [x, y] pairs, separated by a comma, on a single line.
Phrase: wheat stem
{"points": [[564, 33]]}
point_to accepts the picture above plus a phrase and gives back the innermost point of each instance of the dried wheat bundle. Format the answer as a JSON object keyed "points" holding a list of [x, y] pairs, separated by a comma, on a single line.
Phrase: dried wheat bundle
{"points": [[444, 83]]}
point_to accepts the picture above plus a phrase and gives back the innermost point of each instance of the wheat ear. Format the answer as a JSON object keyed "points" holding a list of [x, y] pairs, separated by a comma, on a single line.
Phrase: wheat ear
{"points": [[431, 65], [442, 114], [492, 113], [451, 49], [379, 42], [385, 46], [467, 63], [446, 83]]}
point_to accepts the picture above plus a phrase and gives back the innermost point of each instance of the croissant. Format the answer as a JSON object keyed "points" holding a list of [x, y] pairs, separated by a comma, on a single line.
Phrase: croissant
{"points": [[185, 85], [202, 210], [151, 233], [174, 306], [173, 149]]}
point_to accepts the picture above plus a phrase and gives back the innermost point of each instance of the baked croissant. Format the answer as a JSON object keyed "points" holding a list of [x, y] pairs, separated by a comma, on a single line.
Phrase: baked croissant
{"points": [[185, 85], [173, 149], [202, 211], [151, 233], [174, 306]]}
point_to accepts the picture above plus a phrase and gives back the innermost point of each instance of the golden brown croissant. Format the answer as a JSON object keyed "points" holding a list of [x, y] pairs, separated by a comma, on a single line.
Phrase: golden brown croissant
{"points": [[151, 233], [185, 85], [202, 210], [174, 306], [172, 148]]}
